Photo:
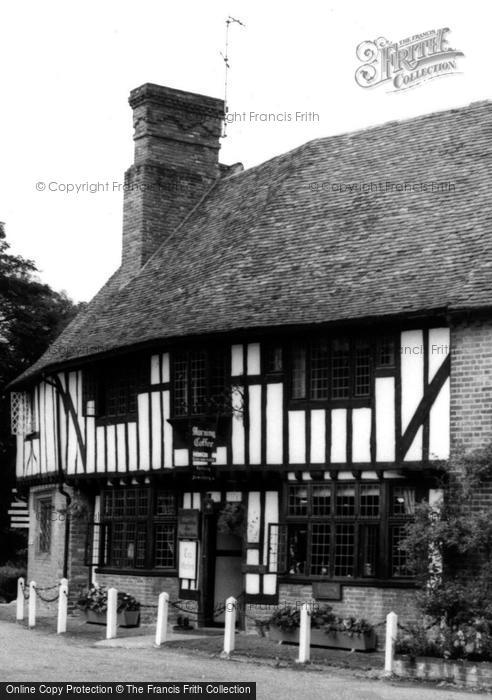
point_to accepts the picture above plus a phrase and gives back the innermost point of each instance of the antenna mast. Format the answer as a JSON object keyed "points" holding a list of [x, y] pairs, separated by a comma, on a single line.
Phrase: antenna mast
{"points": [[225, 56]]}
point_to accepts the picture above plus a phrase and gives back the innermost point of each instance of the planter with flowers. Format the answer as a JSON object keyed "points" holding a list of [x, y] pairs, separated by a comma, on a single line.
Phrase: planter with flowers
{"points": [[94, 603], [327, 630]]}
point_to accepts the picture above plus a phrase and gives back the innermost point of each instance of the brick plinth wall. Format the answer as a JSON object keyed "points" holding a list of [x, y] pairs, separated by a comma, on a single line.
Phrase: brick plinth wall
{"points": [[372, 604], [146, 589]]}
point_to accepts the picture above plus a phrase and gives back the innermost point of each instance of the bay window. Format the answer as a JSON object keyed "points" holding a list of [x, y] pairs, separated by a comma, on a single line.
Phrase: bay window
{"points": [[342, 530]]}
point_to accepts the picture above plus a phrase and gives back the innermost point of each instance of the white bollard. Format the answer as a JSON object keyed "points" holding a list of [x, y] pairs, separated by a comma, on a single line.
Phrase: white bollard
{"points": [[112, 613], [32, 604], [19, 614], [162, 612], [391, 632], [305, 635], [230, 625], [61, 626]]}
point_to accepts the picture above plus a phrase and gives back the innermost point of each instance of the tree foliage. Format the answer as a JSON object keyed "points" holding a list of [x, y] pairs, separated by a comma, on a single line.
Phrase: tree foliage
{"points": [[449, 544], [31, 316]]}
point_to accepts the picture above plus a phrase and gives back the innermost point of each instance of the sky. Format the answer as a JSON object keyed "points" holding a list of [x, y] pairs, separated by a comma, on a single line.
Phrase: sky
{"points": [[68, 68]]}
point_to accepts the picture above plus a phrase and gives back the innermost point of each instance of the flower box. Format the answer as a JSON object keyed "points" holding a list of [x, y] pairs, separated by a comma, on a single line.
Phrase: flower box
{"points": [[364, 641], [126, 618]]}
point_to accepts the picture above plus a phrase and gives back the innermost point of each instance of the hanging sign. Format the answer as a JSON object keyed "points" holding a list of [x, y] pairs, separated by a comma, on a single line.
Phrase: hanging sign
{"points": [[188, 524], [203, 452]]}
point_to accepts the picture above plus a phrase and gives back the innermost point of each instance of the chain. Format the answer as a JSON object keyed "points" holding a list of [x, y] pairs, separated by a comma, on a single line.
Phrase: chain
{"points": [[47, 588], [426, 628], [46, 600]]}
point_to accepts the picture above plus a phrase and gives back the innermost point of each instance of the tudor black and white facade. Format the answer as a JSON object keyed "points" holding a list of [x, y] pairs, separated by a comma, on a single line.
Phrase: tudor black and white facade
{"points": [[297, 362]]}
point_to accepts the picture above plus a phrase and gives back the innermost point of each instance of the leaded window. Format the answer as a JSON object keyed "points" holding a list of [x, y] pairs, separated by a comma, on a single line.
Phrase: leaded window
{"points": [[342, 530], [199, 383], [138, 529], [336, 369], [44, 515]]}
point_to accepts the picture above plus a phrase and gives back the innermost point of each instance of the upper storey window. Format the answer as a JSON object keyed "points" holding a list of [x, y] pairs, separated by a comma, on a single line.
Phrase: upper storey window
{"points": [[111, 391], [199, 382], [336, 369]]}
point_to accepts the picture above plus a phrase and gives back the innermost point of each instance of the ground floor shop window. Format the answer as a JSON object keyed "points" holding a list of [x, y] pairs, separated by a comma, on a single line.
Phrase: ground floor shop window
{"points": [[343, 530], [138, 529]]}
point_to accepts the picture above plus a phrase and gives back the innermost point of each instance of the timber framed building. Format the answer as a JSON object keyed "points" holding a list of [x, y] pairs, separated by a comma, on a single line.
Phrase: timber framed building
{"points": [[258, 397]]}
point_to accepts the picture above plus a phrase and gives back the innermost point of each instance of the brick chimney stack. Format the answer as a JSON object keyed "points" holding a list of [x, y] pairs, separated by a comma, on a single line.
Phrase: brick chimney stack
{"points": [[176, 160]]}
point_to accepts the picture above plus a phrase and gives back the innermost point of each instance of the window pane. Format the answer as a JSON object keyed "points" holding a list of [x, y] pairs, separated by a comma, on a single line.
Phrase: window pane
{"points": [[340, 370], [298, 379], [399, 566], [123, 547], [164, 546], [319, 371], [119, 503], [386, 352], [44, 518], [362, 369], [369, 500], [320, 549], [369, 547], [198, 382], [345, 500], [165, 503], [298, 500], [143, 496], [273, 360], [344, 549], [140, 545], [218, 391], [297, 549], [108, 504], [321, 500], [403, 500], [180, 403]]}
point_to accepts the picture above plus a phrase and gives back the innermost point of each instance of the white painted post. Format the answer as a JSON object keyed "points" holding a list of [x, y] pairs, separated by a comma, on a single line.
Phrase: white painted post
{"points": [[61, 626], [230, 625], [162, 612], [112, 613], [19, 614], [391, 632], [305, 635], [32, 604]]}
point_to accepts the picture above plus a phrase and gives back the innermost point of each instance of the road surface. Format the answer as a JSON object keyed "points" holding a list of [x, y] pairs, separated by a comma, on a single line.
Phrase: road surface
{"points": [[38, 655]]}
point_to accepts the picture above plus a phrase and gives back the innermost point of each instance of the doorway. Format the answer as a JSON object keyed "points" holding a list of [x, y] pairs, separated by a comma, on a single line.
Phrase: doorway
{"points": [[223, 571]]}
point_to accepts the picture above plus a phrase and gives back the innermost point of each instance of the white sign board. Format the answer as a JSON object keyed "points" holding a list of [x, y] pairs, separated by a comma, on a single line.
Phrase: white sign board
{"points": [[187, 559]]}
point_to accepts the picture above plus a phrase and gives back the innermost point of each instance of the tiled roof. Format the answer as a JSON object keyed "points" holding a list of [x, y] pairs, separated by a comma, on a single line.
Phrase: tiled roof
{"points": [[278, 245]]}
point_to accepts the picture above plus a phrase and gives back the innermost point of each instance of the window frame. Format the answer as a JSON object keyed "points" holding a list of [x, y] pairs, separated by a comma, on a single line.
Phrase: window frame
{"points": [[148, 522], [210, 356], [98, 381], [307, 348], [44, 504], [363, 524]]}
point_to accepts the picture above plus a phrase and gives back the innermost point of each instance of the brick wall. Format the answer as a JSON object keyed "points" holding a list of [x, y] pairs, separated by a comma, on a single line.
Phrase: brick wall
{"points": [[372, 604], [177, 142], [146, 589], [46, 568], [471, 384]]}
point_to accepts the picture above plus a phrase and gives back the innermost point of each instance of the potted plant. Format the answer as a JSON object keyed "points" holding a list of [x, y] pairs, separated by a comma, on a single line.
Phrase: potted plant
{"points": [[94, 602], [231, 519], [327, 629]]}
